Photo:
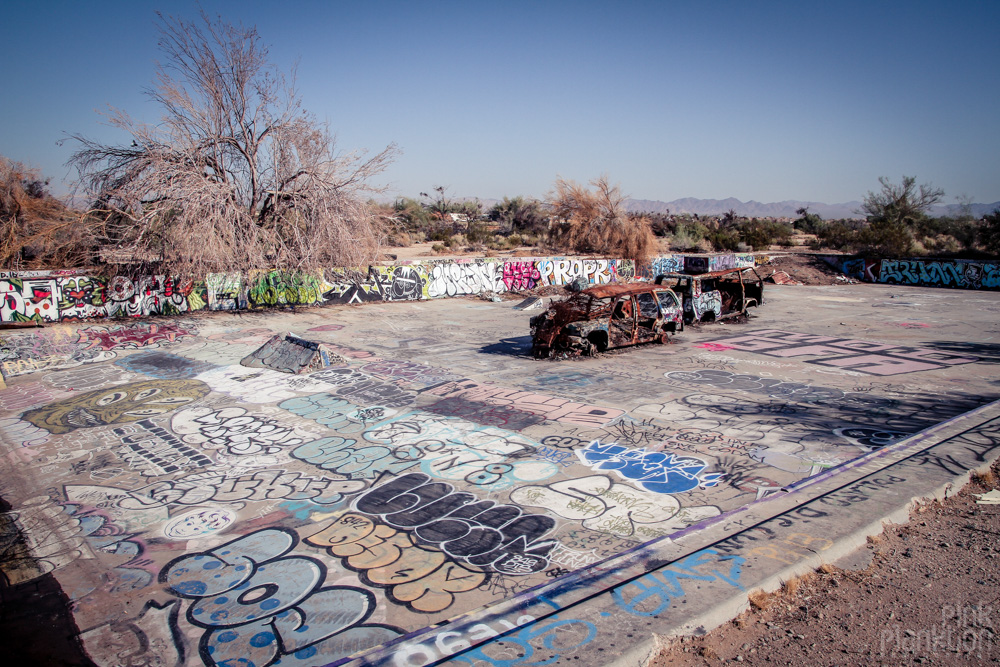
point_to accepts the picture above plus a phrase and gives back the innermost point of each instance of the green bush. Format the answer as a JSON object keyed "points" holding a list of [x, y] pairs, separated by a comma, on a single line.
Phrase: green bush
{"points": [[724, 240], [989, 232]]}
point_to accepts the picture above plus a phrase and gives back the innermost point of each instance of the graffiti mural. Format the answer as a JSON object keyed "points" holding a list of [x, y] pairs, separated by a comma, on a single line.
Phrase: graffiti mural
{"points": [[444, 447], [847, 353], [360, 388], [39, 296], [119, 404], [659, 472], [664, 264], [956, 273], [131, 336], [520, 275], [282, 288], [148, 295], [548, 407], [234, 431], [610, 507], [24, 353], [225, 291], [81, 297], [378, 283], [481, 533], [562, 271], [425, 580], [462, 278], [28, 300], [270, 604]]}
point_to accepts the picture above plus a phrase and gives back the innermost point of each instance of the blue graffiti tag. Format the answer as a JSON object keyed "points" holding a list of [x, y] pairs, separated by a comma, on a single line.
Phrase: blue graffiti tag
{"points": [[659, 472], [652, 593], [259, 606]]}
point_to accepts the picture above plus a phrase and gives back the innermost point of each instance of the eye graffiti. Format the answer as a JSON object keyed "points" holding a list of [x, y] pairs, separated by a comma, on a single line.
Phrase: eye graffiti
{"points": [[116, 405]]}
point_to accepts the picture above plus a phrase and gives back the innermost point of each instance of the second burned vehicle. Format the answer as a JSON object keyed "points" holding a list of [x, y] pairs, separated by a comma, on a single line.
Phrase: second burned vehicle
{"points": [[717, 295], [607, 316]]}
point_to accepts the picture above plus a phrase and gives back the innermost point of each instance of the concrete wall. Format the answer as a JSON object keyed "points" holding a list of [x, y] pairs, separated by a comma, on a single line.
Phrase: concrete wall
{"points": [[52, 296], [957, 273]]}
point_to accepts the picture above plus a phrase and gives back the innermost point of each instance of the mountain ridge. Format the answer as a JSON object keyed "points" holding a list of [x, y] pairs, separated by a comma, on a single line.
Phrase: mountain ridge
{"points": [[782, 209]]}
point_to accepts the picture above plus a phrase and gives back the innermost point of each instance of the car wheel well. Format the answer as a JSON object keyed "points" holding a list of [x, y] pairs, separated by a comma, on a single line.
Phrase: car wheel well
{"points": [[599, 339]]}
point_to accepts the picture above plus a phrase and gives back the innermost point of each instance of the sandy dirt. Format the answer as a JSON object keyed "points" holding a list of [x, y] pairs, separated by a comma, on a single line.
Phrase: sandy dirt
{"points": [[930, 595]]}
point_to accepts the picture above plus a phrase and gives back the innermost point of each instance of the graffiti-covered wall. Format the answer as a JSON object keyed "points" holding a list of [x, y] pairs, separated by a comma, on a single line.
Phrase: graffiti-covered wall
{"points": [[51, 296], [958, 273]]}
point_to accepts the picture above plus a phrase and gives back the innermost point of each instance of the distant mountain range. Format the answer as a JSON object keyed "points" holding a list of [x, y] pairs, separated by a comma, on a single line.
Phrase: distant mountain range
{"points": [[781, 209]]}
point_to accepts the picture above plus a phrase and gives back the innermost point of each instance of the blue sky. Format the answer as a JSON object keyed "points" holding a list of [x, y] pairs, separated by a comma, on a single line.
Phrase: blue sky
{"points": [[754, 100]]}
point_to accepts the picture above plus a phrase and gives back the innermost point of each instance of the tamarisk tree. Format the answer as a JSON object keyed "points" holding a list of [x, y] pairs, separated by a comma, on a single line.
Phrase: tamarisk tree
{"points": [[235, 175], [596, 221]]}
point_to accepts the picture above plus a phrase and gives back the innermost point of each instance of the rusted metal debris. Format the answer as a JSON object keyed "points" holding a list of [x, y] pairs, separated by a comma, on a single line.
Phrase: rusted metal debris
{"points": [[717, 295], [607, 316], [782, 278]]}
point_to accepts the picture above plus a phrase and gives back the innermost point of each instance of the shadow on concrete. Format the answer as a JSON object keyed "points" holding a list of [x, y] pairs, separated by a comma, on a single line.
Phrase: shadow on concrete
{"points": [[36, 623], [509, 347], [987, 352]]}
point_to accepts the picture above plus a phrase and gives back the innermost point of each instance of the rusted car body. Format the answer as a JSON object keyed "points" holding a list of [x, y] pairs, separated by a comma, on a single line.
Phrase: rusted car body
{"points": [[713, 296], [607, 316]]}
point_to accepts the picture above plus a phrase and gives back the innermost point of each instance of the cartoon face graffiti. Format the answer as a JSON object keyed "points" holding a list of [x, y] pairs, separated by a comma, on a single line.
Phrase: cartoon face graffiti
{"points": [[115, 405]]}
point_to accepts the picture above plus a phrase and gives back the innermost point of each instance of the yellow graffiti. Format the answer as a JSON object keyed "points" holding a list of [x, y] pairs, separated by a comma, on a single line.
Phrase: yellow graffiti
{"points": [[425, 580]]}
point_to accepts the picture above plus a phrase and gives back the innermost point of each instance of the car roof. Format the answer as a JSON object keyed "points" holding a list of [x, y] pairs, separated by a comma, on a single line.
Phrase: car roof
{"points": [[712, 274], [619, 289]]}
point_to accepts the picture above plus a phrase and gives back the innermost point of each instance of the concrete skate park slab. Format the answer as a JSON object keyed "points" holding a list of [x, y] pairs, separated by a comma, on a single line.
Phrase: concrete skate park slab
{"points": [[444, 497]]}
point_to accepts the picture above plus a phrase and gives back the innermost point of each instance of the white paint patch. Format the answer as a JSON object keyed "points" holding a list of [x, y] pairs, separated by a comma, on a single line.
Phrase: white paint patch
{"points": [[199, 523]]}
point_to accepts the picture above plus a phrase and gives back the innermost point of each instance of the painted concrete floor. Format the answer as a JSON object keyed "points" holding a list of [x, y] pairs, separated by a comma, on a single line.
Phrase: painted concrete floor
{"points": [[195, 511]]}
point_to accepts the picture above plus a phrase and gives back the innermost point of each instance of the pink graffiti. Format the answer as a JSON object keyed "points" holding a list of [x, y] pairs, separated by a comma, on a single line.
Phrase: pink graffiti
{"points": [[520, 275], [715, 347], [130, 336], [23, 396]]}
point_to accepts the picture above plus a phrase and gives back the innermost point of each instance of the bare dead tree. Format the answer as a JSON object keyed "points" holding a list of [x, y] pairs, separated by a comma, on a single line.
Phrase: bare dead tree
{"points": [[236, 175], [596, 221]]}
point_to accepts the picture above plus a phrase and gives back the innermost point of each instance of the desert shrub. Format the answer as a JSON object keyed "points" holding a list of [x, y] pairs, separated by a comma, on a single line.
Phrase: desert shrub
{"points": [[478, 233], [809, 223], [400, 239], [842, 235], [886, 238], [722, 240], [662, 224], [412, 214], [763, 233], [520, 214], [947, 234], [439, 232], [36, 229], [989, 232], [687, 235], [596, 221]]}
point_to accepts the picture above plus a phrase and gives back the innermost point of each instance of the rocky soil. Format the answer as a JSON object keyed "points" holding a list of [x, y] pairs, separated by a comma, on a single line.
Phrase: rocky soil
{"points": [[930, 595]]}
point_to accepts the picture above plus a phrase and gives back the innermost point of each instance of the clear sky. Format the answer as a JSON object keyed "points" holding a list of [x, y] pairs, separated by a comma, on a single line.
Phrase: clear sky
{"points": [[755, 100]]}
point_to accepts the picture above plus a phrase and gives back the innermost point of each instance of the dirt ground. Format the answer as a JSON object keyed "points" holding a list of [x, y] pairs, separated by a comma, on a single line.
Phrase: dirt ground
{"points": [[803, 268], [931, 595]]}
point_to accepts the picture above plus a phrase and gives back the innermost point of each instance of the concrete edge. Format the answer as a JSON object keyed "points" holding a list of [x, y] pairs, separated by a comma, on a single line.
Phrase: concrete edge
{"points": [[730, 608]]}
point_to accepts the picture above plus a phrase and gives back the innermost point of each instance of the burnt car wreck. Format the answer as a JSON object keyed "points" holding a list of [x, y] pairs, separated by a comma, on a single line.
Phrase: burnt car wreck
{"points": [[717, 295], [607, 316]]}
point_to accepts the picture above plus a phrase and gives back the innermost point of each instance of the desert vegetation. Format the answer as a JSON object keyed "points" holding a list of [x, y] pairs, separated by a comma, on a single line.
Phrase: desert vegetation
{"points": [[235, 175]]}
